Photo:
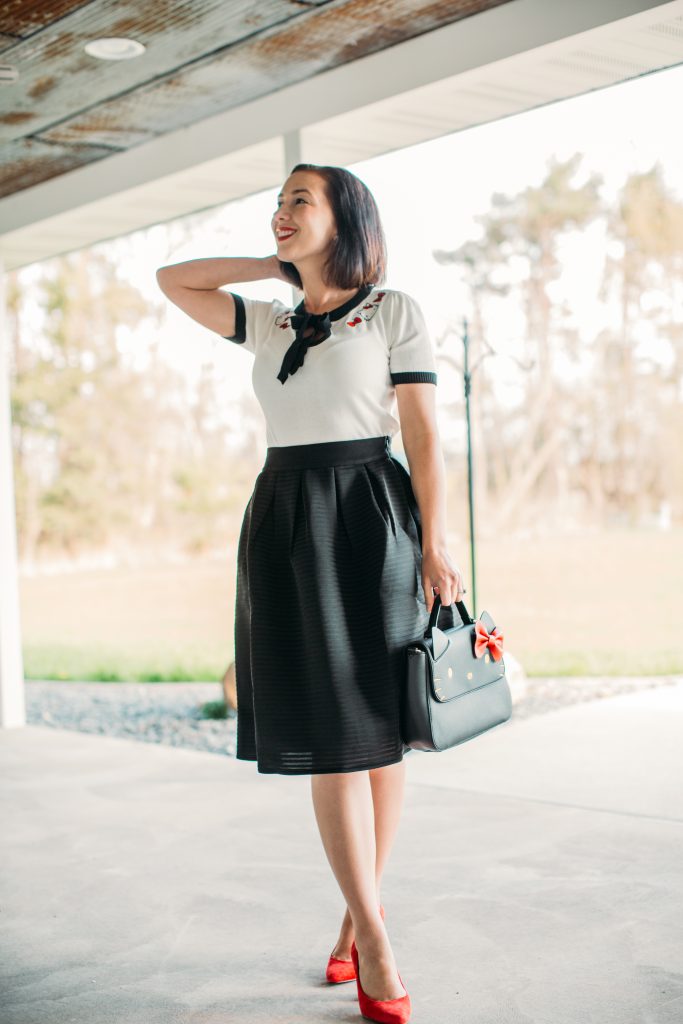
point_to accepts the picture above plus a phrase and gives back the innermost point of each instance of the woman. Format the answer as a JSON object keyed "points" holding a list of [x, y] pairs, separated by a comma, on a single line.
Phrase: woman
{"points": [[337, 536]]}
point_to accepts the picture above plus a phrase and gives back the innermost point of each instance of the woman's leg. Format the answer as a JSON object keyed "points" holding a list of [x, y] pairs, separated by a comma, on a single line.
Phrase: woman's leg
{"points": [[388, 786], [344, 810]]}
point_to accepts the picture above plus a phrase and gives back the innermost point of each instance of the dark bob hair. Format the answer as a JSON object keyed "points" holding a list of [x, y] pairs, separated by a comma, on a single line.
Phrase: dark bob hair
{"points": [[358, 256]]}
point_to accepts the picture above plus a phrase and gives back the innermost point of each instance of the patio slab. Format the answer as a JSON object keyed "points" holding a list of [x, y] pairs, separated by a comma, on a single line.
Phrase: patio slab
{"points": [[536, 878]]}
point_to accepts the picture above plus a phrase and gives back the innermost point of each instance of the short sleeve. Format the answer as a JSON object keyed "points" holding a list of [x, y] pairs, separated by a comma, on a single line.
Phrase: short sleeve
{"points": [[253, 321], [411, 351]]}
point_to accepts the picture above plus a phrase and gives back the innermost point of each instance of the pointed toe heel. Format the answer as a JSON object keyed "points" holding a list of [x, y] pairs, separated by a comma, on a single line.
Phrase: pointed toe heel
{"points": [[383, 1011], [339, 971]]}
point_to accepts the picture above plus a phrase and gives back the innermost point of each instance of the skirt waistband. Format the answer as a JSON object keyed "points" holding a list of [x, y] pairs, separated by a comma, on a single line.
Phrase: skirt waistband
{"points": [[327, 453]]}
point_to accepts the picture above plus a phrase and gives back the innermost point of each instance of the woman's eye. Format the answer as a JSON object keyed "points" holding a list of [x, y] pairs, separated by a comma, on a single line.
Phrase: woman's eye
{"points": [[299, 199]]}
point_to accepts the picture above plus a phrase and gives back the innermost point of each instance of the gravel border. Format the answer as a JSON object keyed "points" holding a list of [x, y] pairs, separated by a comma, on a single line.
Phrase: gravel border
{"points": [[171, 713]]}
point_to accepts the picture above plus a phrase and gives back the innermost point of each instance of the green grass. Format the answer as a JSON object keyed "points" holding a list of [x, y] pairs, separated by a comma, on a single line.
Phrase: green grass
{"points": [[594, 604], [53, 661]]}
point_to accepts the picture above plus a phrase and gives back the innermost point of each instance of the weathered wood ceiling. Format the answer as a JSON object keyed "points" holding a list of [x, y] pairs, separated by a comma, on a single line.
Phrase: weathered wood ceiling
{"points": [[227, 98], [68, 109]]}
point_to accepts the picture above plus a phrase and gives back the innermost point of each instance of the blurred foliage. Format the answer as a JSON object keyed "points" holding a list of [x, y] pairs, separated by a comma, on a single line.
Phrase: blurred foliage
{"points": [[589, 441]]}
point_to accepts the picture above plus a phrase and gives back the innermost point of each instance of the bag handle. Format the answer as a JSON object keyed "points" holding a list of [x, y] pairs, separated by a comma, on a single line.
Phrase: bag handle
{"points": [[436, 608]]}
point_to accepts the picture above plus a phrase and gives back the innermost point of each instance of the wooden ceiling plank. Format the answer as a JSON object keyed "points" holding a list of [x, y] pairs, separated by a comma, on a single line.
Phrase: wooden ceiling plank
{"points": [[351, 112], [22, 20], [18, 161], [126, 108], [271, 61], [58, 79]]}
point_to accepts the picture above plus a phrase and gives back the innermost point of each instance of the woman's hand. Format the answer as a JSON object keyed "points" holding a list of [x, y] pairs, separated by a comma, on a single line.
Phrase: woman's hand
{"points": [[439, 572], [274, 267]]}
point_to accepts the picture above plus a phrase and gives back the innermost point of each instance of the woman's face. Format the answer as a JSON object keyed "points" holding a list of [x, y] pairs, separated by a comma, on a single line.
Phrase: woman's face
{"points": [[303, 222]]}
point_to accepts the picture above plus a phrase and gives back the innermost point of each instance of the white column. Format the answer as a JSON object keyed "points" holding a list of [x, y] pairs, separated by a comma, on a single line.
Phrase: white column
{"points": [[291, 142], [292, 145], [12, 700]]}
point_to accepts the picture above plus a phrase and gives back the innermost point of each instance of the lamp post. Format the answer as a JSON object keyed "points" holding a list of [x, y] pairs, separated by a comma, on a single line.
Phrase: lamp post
{"points": [[467, 373], [467, 382]]}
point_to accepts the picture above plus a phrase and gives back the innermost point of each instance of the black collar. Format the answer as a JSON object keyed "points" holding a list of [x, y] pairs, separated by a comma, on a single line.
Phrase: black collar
{"points": [[340, 311], [321, 323]]}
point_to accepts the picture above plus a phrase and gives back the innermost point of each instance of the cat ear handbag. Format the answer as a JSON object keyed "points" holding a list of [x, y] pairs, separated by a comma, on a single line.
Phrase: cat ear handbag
{"points": [[454, 686]]}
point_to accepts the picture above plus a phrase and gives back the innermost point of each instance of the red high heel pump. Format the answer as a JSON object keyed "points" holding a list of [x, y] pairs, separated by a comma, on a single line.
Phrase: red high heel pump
{"points": [[384, 1011], [343, 970]]}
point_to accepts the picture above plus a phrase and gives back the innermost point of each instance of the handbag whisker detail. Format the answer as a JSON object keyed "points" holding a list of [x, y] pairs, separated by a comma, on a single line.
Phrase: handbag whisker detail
{"points": [[454, 686]]}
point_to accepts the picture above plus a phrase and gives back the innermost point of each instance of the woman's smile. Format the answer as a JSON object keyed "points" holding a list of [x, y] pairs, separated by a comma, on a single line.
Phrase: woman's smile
{"points": [[282, 234]]}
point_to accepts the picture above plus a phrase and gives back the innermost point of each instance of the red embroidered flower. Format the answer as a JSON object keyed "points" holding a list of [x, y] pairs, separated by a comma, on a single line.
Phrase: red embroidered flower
{"points": [[367, 311]]}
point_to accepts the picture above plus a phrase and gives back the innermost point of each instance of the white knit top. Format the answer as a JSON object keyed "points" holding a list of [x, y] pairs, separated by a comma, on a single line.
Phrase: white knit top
{"points": [[345, 387]]}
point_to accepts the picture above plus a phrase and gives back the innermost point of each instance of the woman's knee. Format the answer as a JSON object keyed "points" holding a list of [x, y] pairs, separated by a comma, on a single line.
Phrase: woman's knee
{"points": [[340, 779]]}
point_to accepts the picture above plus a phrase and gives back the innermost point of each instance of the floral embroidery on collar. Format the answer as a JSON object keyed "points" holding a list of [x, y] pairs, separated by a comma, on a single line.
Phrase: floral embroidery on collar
{"points": [[367, 311], [283, 320]]}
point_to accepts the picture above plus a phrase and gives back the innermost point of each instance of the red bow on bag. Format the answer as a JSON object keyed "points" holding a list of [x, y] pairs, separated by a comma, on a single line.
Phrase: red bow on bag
{"points": [[493, 641]]}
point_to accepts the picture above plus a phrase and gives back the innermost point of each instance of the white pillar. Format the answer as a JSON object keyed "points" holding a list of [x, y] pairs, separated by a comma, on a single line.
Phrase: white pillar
{"points": [[12, 700], [292, 146], [291, 142]]}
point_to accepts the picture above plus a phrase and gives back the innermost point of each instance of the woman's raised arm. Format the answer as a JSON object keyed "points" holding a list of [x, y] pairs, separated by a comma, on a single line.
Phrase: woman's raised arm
{"points": [[195, 286]]}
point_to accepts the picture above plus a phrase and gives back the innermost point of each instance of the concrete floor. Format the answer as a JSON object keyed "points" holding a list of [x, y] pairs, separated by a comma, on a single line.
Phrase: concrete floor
{"points": [[537, 877]]}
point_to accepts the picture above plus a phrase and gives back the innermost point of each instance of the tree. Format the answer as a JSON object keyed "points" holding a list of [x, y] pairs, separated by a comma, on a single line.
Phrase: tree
{"points": [[517, 256]]}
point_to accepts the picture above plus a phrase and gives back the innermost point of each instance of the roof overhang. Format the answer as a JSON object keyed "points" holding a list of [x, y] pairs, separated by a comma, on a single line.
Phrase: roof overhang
{"points": [[505, 60]]}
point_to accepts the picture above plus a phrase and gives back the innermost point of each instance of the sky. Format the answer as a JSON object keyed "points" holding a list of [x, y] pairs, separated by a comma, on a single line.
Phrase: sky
{"points": [[429, 196]]}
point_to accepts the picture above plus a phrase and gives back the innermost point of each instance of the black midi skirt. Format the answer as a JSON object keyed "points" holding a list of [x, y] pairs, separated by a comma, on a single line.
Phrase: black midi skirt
{"points": [[329, 594]]}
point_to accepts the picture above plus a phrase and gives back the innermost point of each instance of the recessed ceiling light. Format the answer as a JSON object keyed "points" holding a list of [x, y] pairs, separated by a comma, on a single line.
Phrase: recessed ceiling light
{"points": [[114, 48]]}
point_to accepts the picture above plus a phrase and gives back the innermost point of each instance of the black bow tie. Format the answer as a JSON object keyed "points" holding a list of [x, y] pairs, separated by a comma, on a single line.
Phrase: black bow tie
{"points": [[296, 353]]}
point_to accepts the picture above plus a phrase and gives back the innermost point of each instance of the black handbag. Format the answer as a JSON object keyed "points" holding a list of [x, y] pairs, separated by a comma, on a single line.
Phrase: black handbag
{"points": [[455, 686]]}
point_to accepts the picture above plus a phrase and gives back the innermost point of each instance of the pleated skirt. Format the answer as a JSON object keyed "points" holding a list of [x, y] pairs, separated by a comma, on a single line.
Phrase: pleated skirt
{"points": [[329, 595]]}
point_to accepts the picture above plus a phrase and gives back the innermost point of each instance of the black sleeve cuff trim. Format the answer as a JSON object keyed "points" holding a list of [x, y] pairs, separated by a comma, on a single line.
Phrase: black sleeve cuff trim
{"points": [[414, 377], [240, 334]]}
